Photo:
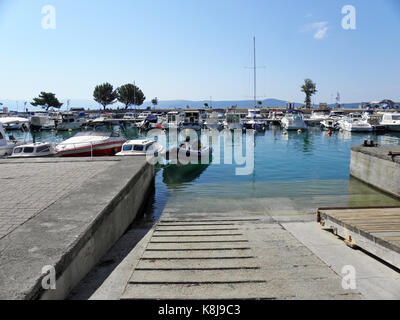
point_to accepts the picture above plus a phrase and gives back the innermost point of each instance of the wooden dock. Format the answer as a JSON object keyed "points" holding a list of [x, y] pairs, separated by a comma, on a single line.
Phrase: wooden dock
{"points": [[373, 229]]}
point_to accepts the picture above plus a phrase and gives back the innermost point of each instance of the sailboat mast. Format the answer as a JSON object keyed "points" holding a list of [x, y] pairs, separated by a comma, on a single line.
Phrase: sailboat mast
{"points": [[255, 74]]}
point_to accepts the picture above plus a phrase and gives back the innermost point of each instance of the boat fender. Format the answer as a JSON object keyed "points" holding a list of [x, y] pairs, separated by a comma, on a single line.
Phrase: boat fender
{"points": [[284, 132], [299, 131]]}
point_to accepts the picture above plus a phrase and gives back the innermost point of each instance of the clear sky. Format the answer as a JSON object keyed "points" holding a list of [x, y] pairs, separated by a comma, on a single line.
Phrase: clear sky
{"points": [[194, 49]]}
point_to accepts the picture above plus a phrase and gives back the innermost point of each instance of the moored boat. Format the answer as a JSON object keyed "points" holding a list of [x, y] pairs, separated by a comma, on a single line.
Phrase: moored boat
{"points": [[141, 148], [91, 144], [34, 150]]}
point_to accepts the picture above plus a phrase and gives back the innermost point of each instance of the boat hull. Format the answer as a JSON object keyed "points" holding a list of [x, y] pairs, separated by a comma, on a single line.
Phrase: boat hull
{"points": [[100, 150]]}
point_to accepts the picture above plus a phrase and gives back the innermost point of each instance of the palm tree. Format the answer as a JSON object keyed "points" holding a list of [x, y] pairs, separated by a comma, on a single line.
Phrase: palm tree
{"points": [[154, 102], [309, 88]]}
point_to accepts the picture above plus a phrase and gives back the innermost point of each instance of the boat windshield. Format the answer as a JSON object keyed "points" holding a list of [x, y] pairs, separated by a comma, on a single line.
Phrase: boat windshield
{"points": [[138, 148], [127, 147]]}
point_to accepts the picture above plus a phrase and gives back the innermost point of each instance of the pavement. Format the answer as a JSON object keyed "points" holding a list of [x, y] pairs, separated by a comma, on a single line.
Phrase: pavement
{"points": [[64, 213]]}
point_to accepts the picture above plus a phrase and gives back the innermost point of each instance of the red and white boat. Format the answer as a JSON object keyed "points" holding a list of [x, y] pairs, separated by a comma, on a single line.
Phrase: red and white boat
{"points": [[91, 144]]}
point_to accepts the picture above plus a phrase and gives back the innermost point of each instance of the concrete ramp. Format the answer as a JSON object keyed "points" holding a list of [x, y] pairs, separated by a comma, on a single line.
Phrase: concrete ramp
{"points": [[229, 258]]}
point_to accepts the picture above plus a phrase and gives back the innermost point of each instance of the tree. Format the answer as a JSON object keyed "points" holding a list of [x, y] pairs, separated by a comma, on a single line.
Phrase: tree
{"points": [[309, 88], [130, 94], [259, 103], [154, 102], [206, 105], [46, 100], [105, 94]]}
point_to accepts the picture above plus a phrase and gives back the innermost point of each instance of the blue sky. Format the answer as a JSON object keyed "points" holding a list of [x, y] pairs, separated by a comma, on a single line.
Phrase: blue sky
{"points": [[192, 49]]}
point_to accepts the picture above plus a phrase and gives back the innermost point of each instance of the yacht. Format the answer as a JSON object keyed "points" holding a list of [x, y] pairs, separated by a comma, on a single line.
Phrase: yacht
{"points": [[317, 116], [7, 145], [336, 114], [355, 122], [14, 123], [42, 121], [254, 121], [72, 121], [173, 120], [34, 150], [391, 121], [233, 121], [191, 120], [151, 122], [213, 121], [329, 124], [91, 143], [275, 117], [293, 121], [141, 148]]}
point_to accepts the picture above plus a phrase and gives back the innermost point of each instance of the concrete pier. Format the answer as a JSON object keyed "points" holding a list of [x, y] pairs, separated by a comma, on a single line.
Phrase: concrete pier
{"points": [[374, 166], [65, 213]]}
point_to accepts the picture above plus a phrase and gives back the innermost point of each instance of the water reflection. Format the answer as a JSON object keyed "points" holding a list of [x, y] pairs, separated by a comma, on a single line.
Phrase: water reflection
{"points": [[175, 176]]}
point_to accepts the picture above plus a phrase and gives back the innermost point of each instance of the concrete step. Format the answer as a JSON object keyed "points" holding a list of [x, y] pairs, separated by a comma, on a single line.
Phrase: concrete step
{"points": [[159, 233], [198, 254], [205, 291], [195, 276], [196, 228], [198, 246], [190, 264], [197, 239]]}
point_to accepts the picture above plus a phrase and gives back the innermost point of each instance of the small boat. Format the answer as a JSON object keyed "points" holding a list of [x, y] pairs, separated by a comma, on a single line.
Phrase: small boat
{"points": [[42, 121], [329, 124], [293, 120], [254, 121], [34, 150], [72, 121], [14, 123], [173, 120], [317, 116], [7, 145], [391, 121], [191, 152], [141, 148], [191, 120], [233, 121], [355, 122], [91, 143]]}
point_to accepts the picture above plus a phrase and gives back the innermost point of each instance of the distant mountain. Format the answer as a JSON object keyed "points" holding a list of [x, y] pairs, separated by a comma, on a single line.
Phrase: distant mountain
{"points": [[14, 105], [167, 104]]}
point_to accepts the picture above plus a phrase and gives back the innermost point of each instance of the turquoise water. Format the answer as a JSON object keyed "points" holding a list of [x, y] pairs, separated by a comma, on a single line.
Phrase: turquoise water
{"points": [[293, 174]]}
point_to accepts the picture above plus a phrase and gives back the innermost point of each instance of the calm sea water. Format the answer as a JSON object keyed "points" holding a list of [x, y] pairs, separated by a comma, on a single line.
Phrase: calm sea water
{"points": [[293, 174]]}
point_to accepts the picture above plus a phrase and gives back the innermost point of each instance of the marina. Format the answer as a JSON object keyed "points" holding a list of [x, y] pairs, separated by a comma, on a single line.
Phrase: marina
{"points": [[188, 159]]}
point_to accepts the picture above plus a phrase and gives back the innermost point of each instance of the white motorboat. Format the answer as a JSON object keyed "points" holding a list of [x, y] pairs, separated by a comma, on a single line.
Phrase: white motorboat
{"points": [[173, 120], [213, 121], [14, 123], [355, 122], [233, 122], [191, 120], [189, 152], [151, 122], [317, 116], [72, 121], [329, 124], [141, 148], [91, 143], [336, 114], [293, 121], [391, 121], [275, 117], [7, 145], [42, 121], [254, 121], [34, 150]]}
